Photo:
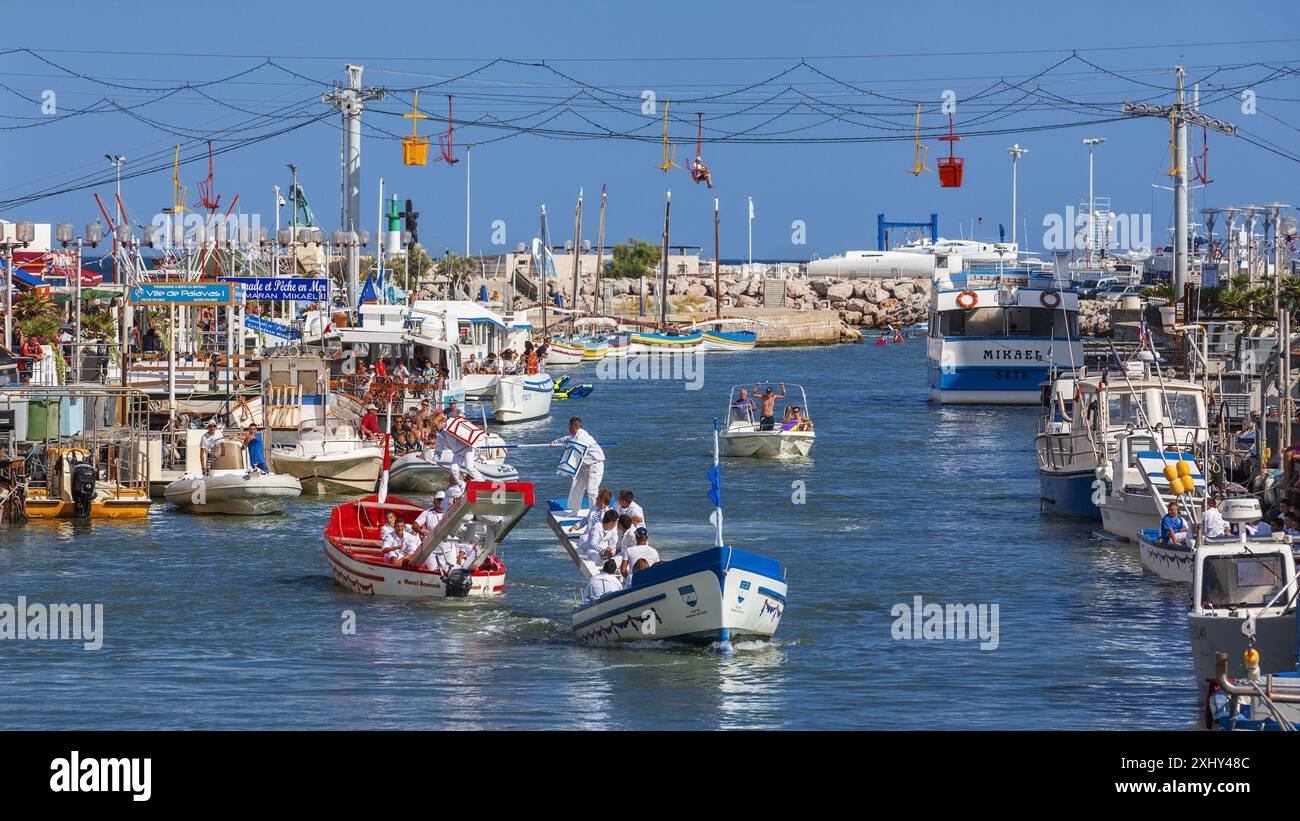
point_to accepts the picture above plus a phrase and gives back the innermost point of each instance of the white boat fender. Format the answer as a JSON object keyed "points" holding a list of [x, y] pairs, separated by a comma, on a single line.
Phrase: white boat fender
{"points": [[1106, 474]]}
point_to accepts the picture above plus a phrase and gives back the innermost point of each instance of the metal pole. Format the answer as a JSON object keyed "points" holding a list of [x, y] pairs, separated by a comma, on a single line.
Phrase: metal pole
{"points": [[751, 236], [541, 274], [577, 258], [1180, 195], [600, 255], [76, 321], [379, 242], [717, 262], [9, 287], [468, 151], [663, 285]]}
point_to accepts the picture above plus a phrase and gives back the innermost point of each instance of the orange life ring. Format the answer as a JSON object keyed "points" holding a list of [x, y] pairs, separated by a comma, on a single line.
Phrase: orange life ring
{"points": [[967, 299], [1050, 299]]}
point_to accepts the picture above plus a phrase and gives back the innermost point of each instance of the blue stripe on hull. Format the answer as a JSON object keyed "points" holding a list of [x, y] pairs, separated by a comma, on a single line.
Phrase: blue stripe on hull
{"points": [[1068, 494], [1007, 377]]}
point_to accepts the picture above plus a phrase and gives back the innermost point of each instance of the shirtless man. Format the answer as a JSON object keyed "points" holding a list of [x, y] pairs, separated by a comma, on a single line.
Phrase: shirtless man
{"points": [[767, 400]]}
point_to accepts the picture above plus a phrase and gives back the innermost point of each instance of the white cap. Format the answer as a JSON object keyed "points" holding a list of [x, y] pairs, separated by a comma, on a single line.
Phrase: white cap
{"points": [[440, 495]]}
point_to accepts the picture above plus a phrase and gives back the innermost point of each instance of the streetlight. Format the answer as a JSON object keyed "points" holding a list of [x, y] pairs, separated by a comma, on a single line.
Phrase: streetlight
{"points": [[24, 233], [1090, 142], [1016, 153], [116, 161]]}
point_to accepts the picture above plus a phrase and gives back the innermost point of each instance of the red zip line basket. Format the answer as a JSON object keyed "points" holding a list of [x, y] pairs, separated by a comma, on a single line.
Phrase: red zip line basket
{"points": [[951, 168]]}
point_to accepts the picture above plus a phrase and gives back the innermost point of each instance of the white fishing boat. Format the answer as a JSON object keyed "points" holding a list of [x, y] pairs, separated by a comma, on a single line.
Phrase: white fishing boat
{"points": [[475, 524], [330, 459], [232, 486], [996, 332], [428, 471], [523, 397], [746, 435], [719, 594], [723, 335], [1243, 595]]}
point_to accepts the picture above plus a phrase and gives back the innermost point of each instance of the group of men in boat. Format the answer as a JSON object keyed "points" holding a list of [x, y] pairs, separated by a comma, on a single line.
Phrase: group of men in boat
{"points": [[1174, 527], [251, 439], [614, 536], [400, 541], [743, 410]]}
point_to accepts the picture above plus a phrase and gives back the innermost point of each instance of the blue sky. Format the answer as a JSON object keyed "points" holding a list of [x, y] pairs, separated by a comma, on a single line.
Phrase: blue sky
{"points": [[902, 51]]}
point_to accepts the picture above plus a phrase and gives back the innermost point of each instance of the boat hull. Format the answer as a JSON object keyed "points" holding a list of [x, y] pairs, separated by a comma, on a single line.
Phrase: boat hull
{"points": [[1068, 494], [245, 494], [375, 578], [1127, 514], [1275, 639], [719, 594], [122, 505], [479, 386], [332, 473], [559, 353], [766, 444], [522, 398], [1171, 562], [728, 341], [665, 343]]}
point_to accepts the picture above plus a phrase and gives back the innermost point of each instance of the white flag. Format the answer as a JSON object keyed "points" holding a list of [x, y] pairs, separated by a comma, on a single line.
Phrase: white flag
{"points": [[751, 207]]}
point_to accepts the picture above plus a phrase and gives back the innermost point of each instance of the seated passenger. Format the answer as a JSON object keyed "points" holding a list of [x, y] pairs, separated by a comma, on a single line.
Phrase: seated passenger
{"points": [[597, 513], [627, 504], [403, 544], [1214, 524], [600, 542], [639, 552], [1173, 528], [641, 564], [390, 526], [626, 534], [603, 583]]}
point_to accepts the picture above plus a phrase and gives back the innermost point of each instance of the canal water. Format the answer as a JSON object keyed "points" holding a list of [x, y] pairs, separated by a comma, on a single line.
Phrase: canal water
{"points": [[219, 622]]}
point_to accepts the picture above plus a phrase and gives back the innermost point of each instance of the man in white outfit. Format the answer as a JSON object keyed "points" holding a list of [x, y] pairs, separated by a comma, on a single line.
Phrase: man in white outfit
{"points": [[587, 479], [1213, 522], [449, 449], [604, 582]]}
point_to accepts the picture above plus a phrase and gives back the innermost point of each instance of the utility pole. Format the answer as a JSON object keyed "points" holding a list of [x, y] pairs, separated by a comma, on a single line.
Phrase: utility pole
{"points": [[351, 100], [1180, 114], [1016, 153], [1092, 209], [577, 262], [468, 149]]}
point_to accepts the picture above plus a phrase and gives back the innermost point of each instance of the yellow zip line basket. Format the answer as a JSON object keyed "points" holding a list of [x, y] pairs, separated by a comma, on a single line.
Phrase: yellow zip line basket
{"points": [[415, 149]]}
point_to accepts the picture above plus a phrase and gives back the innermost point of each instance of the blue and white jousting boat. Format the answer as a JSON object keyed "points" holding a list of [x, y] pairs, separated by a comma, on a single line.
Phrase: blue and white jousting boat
{"points": [[721, 593], [996, 331]]}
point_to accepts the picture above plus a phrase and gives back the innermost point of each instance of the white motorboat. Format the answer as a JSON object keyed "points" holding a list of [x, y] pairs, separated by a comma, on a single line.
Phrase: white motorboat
{"points": [[522, 397], [1243, 595], [745, 434], [429, 472], [232, 486], [330, 459]]}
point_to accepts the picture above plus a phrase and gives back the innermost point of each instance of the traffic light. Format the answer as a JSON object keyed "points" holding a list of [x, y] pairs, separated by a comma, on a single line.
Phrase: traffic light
{"points": [[411, 217]]}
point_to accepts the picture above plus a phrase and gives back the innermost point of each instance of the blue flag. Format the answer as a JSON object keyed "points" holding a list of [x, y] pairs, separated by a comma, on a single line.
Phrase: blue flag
{"points": [[715, 485]]}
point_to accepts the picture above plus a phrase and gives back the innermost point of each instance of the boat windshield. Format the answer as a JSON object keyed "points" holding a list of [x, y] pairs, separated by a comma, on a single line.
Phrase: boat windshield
{"points": [[1183, 409], [1019, 321], [1238, 581], [1126, 409]]}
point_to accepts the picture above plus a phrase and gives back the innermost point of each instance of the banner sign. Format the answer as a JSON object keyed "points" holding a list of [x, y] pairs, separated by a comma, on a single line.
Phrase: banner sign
{"points": [[284, 288], [186, 293], [266, 326]]}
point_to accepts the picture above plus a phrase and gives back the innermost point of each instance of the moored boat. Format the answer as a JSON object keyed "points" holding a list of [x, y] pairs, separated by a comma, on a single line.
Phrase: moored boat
{"points": [[330, 459], [641, 342], [233, 486], [731, 334]]}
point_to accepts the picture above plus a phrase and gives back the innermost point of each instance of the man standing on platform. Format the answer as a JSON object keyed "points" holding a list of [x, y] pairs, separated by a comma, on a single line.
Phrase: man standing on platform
{"points": [[587, 479]]}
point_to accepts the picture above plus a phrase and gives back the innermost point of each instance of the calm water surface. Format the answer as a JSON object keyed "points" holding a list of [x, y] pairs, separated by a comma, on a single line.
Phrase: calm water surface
{"points": [[235, 623]]}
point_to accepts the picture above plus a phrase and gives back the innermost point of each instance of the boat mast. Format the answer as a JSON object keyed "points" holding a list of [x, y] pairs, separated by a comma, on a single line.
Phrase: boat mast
{"points": [[717, 260], [663, 285], [577, 258], [541, 273], [597, 300]]}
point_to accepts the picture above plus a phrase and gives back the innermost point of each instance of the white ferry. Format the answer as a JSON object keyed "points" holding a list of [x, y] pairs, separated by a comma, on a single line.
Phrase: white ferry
{"points": [[996, 331]]}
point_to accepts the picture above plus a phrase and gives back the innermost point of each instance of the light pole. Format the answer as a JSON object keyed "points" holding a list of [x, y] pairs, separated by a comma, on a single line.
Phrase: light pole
{"points": [[24, 232], [116, 161], [1090, 142], [65, 232], [1016, 153]]}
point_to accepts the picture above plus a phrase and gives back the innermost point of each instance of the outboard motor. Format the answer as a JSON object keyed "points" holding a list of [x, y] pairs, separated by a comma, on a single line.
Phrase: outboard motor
{"points": [[83, 488], [458, 582]]}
